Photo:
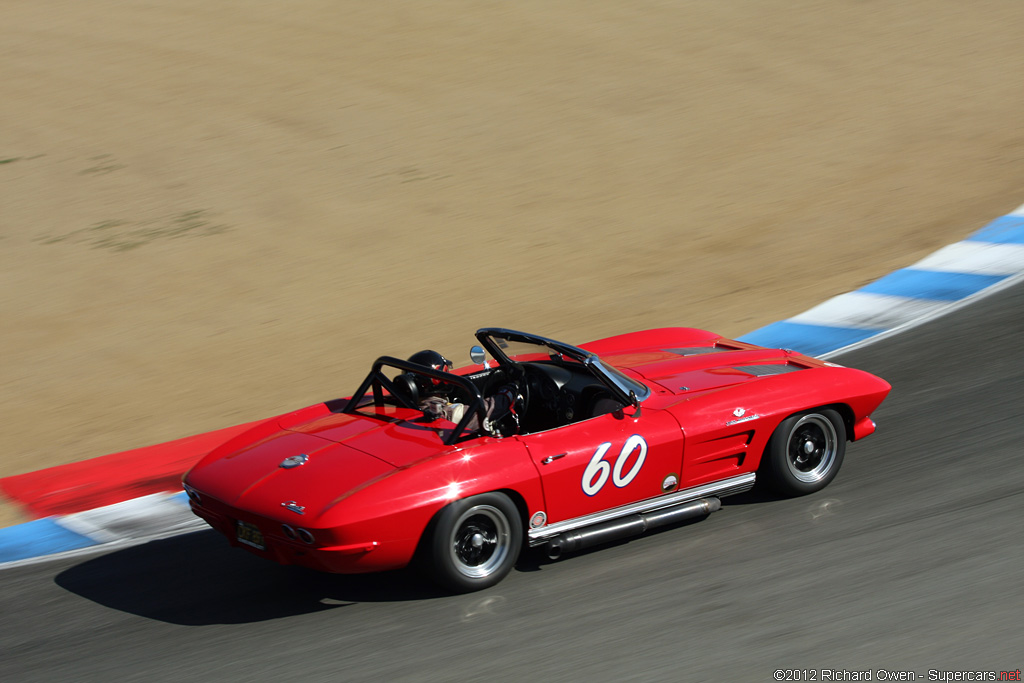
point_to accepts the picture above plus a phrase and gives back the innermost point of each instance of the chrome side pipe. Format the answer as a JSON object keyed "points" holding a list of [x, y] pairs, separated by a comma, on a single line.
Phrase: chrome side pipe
{"points": [[631, 525]]}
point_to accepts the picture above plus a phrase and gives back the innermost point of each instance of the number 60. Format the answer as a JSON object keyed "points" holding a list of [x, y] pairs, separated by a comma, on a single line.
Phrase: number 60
{"points": [[596, 474]]}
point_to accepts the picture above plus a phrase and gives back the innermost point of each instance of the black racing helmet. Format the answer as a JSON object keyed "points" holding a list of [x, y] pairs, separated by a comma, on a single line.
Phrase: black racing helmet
{"points": [[432, 359]]}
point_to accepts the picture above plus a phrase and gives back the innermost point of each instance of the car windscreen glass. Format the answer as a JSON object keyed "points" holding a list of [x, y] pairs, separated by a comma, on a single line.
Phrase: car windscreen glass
{"points": [[536, 350], [523, 352], [625, 382]]}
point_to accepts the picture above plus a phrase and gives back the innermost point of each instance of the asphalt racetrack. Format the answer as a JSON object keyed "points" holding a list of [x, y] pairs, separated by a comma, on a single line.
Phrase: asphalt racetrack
{"points": [[909, 561]]}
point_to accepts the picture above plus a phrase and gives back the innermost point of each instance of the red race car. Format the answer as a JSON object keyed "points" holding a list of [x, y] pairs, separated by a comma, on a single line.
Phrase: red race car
{"points": [[542, 444]]}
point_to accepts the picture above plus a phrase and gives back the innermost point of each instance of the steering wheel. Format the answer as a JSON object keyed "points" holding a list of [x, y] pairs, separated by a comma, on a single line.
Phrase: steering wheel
{"points": [[515, 375], [522, 382]]}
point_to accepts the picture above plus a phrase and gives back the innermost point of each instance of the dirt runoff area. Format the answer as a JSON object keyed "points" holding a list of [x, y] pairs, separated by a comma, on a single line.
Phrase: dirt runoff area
{"points": [[211, 213]]}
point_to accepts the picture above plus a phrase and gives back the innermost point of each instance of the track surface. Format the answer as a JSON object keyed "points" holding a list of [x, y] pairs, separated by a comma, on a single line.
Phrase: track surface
{"points": [[910, 560]]}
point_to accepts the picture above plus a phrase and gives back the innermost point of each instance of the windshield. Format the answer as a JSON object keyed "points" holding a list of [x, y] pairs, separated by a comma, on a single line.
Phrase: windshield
{"points": [[521, 347], [523, 351], [626, 383]]}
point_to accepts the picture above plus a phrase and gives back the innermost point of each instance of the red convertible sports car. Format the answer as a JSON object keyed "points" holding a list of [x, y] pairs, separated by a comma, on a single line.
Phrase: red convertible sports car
{"points": [[542, 444]]}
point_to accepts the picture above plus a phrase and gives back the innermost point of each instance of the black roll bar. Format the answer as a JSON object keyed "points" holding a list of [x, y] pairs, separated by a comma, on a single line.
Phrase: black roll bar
{"points": [[379, 382]]}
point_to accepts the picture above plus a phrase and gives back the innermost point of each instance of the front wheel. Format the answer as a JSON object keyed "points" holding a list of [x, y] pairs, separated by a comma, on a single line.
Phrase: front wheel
{"points": [[805, 452], [475, 542]]}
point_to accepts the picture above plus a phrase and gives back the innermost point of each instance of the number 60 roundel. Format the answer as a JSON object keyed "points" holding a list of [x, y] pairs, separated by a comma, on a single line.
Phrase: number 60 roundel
{"points": [[596, 474]]}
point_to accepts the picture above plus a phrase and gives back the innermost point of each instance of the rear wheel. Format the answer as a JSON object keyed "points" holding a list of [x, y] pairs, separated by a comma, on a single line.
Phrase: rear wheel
{"points": [[805, 452], [475, 542]]}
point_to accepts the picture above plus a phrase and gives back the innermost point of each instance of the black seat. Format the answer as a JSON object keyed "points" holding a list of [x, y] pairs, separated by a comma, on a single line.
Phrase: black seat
{"points": [[407, 388]]}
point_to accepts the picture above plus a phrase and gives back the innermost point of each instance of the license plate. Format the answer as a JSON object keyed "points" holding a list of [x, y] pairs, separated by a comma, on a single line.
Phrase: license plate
{"points": [[250, 535]]}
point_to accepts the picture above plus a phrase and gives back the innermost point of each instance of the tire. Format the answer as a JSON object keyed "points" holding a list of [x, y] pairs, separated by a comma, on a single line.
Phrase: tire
{"points": [[805, 452], [475, 542]]}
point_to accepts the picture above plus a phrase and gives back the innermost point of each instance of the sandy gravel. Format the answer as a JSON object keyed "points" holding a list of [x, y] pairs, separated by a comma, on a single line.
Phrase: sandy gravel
{"points": [[210, 213]]}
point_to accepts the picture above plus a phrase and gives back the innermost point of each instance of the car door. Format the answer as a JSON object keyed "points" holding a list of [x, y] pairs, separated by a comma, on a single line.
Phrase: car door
{"points": [[606, 461]]}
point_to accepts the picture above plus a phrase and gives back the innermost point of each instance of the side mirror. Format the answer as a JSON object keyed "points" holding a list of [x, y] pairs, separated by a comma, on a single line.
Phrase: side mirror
{"points": [[477, 355]]}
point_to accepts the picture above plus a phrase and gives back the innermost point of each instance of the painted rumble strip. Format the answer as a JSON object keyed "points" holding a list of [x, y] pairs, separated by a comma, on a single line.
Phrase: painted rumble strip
{"points": [[953, 276], [134, 521], [985, 262]]}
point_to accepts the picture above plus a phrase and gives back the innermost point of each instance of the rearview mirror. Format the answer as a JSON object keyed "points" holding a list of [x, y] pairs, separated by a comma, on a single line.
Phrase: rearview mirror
{"points": [[476, 354]]}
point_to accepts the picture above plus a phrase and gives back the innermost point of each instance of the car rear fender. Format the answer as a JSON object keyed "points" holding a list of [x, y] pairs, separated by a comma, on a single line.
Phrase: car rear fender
{"points": [[397, 507]]}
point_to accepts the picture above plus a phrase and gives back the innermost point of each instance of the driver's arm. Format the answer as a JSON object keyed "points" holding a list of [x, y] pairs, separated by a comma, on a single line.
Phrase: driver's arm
{"points": [[495, 407]]}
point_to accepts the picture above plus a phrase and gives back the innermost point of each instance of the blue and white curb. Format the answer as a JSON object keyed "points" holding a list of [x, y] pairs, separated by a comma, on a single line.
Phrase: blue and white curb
{"points": [[988, 260], [132, 522], [954, 276]]}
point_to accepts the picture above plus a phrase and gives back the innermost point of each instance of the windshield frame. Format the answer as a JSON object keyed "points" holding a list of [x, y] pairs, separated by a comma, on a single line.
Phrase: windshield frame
{"points": [[625, 388]]}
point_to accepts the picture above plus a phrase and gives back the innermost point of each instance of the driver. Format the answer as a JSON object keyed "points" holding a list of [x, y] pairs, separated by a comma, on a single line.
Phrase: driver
{"points": [[435, 402]]}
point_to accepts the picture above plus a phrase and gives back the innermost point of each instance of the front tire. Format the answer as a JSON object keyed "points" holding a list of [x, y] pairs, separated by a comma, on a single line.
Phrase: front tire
{"points": [[805, 452], [475, 542]]}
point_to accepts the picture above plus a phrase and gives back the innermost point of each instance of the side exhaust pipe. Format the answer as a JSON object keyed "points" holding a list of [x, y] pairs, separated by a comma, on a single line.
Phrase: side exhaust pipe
{"points": [[631, 525]]}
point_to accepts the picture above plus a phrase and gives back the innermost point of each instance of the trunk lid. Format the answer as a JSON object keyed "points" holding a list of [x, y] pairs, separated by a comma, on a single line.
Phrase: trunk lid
{"points": [[265, 476]]}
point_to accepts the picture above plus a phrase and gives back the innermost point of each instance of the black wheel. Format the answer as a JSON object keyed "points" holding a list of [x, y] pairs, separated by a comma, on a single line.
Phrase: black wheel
{"points": [[805, 452], [476, 542]]}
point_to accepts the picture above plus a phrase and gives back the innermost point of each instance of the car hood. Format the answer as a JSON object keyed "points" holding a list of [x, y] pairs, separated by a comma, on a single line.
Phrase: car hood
{"points": [[700, 368]]}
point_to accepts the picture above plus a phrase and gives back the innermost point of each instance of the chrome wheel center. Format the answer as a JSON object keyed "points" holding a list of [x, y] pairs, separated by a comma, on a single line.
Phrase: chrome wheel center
{"points": [[480, 541], [812, 448]]}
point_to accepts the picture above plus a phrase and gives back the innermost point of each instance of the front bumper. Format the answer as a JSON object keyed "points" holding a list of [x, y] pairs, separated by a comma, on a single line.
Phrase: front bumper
{"points": [[863, 427]]}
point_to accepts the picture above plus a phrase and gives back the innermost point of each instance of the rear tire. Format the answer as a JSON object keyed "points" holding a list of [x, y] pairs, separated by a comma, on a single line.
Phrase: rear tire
{"points": [[475, 542], [805, 452]]}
